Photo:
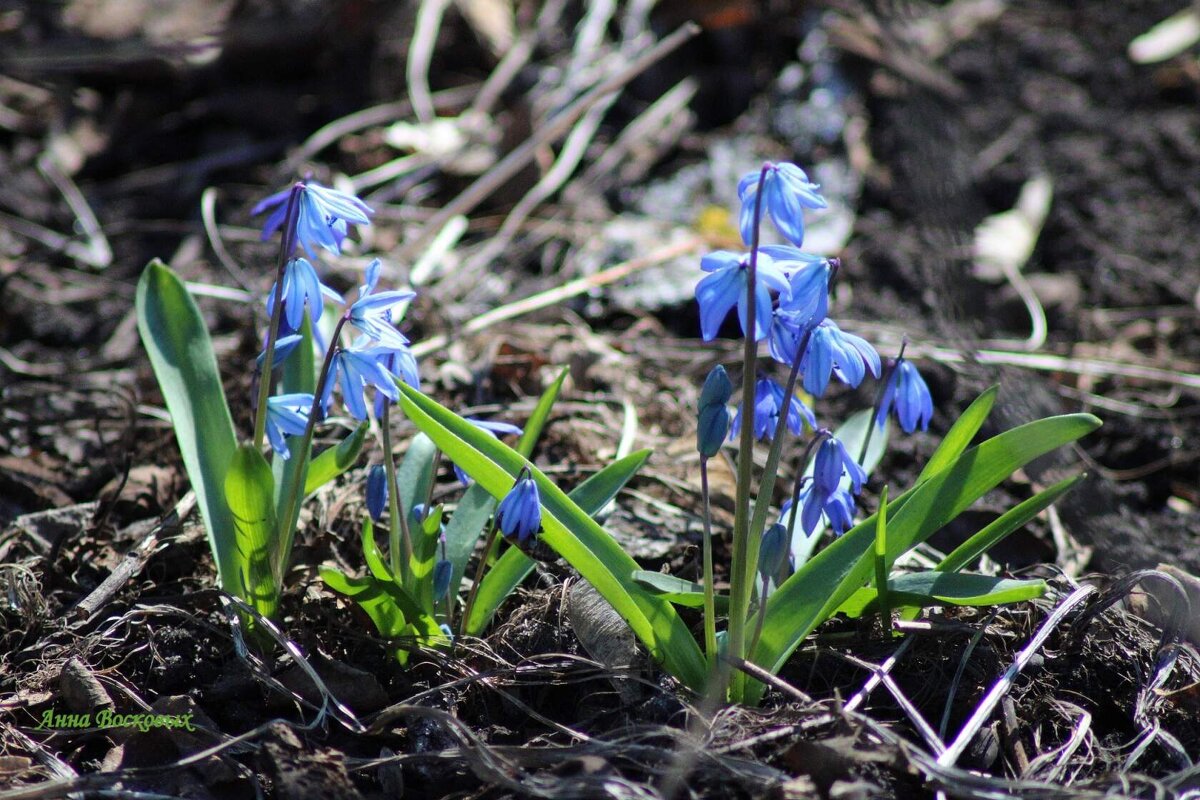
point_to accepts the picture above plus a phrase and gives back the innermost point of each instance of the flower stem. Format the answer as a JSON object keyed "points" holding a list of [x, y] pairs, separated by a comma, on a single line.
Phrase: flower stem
{"points": [[400, 549], [293, 497], [465, 619], [741, 569], [287, 242], [710, 603], [883, 384]]}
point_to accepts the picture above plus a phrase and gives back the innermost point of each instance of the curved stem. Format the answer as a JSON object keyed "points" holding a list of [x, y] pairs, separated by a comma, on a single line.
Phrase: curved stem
{"points": [[818, 437], [264, 381]]}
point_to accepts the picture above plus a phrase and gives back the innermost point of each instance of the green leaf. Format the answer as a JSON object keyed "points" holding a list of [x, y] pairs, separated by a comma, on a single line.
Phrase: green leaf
{"points": [[813, 593], [333, 461], [249, 491], [852, 433], [477, 505], [503, 577], [371, 554], [688, 594], [1002, 526], [570, 532], [389, 607], [944, 589], [181, 354], [960, 434], [415, 477]]}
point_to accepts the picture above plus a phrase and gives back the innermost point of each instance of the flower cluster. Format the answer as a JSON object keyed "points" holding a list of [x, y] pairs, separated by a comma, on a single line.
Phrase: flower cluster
{"points": [[315, 217], [790, 295]]}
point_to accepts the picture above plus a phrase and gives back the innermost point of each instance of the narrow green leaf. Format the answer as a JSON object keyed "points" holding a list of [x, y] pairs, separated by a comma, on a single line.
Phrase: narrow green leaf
{"points": [[388, 606], [477, 505], [333, 461], [1006, 523], [882, 565], [513, 566], [376, 564], [944, 589], [249, 490], [181, 354], [688, 594], [570, 532], [960, 434], [809, 596]]}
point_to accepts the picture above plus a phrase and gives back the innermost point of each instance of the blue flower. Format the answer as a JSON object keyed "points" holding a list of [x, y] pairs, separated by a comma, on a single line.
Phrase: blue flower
{"points": [[907, 394], [300, 286], [808, 276], [284, 346], [355, 368], [725, 286], [786, 193], [826, 495], [713, 416], [321, 218], [287, 414], [493, 427], [831, 351], [401, 362], [520, 512], [768, 402], [372, 312], [773, 551], [377, 491]]}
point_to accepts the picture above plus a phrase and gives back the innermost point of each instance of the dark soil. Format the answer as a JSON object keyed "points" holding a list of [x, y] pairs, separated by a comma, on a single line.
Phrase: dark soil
{"points": [[939, 125]]}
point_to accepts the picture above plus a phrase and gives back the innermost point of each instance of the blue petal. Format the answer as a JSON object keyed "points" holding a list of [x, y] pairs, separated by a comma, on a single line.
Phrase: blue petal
{"points": [[717, 293]]}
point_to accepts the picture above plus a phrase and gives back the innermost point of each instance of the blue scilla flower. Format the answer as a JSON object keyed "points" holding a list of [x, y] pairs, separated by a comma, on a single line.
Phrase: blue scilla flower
{"points": [[287, 415], [321, 218], [768, 403], [832, 351], [520, 512], [442, 571], [808, 276], [908, 396], [825, 494], [355, 368], [372, 312], [301, 286], [493, 427], [284, 346], [401, 362], [725, 286], [377, 491], [786, 193]]}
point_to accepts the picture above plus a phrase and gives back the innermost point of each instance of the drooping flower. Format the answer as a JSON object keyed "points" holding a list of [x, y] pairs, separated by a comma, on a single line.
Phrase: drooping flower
{"points": [[442, 571], [355, 368], [773, 551], [786, 193], [520, 512], [826, 495], [908, 396], [284, 346], [725, 286], [287, 415], [493, 427], [301, 286], [321, 217], [372, 312], [831, 351], [401, 362], [713, 416], [768, 404], [808, 275]]}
